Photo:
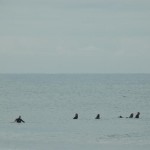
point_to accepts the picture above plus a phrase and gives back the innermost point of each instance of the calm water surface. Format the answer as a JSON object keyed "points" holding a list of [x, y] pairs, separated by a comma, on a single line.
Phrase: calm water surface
{"points": [[48, 102]]}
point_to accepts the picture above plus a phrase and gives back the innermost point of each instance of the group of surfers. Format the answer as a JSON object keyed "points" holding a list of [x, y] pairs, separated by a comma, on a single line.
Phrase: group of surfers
{"points": [[132, 115], [98, 116], [19, 119]]}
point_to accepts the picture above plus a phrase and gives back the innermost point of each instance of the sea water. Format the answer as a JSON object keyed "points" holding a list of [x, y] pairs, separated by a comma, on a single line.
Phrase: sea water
{"points": [[48, 103]]}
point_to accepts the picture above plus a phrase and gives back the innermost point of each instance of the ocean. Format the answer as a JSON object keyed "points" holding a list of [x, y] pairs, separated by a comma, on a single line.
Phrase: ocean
{"points": [[48, 102]]}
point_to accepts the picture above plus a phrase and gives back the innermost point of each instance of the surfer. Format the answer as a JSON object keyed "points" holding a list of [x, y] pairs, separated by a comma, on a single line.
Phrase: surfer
{"points": [[131, 115], [19, 120], [76, 116], [98, 116], [137, 115], [120, 117]]}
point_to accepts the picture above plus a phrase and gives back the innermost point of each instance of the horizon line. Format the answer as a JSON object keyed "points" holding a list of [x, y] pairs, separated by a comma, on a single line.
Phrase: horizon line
{"points": [[72, 73]]}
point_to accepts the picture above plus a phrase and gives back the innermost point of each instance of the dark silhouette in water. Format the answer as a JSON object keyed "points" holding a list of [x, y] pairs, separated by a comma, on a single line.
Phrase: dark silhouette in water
{"points": [[137, 115], [98, 116], [19, 120], [76, 116], [120, 117], [131, 115]]}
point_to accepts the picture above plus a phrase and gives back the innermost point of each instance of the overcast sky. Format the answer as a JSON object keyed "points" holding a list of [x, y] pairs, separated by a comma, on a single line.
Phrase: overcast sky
{"points": [[74, 36]]}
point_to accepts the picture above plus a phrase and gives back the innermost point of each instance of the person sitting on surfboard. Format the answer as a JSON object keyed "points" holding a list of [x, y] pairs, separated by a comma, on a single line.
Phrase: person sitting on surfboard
{"points": [[76, 116], [98, 116], [19, 120], [137, 115], [131, 115]]}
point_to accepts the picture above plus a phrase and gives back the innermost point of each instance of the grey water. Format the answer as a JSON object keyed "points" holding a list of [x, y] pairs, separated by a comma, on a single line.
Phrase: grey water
{"points": [[48, 102]]}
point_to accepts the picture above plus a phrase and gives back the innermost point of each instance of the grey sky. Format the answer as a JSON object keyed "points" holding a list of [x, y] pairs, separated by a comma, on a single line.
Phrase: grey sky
{"points": [[74, 36]]}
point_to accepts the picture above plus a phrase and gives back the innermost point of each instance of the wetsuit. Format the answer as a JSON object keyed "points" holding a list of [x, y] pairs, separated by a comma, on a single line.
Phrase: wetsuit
{"points": [[19, 120]]}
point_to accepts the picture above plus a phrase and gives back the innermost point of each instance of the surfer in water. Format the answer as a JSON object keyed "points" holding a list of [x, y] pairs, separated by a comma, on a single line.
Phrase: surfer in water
{"points": [[19, 120], [137, 115], [98, 116], [120, 117], [131, 115], [76, 116]]}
